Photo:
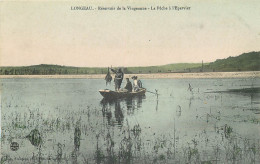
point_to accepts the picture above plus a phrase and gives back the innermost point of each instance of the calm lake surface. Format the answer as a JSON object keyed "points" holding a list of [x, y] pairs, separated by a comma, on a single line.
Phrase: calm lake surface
{"points": [[67, 121]]}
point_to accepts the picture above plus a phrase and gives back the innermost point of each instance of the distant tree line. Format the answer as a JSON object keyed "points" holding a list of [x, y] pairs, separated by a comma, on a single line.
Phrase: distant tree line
{"points": [[245, 62]]}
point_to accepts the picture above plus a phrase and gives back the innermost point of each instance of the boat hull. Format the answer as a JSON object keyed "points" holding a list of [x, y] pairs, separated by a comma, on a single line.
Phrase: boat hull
{"points": [[109, 94]]}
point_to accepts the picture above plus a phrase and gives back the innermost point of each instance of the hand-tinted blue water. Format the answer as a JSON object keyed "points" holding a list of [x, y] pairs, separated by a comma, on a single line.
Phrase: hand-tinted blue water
{"points": [[191, 120]]}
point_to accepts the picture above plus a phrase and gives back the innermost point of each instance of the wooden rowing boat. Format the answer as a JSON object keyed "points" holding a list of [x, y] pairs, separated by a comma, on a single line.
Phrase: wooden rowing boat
{"points": [[109, 94]]}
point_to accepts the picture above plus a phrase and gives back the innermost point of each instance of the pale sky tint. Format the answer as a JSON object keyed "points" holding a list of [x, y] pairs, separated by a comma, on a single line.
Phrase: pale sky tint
{"points": [[50, 33]]}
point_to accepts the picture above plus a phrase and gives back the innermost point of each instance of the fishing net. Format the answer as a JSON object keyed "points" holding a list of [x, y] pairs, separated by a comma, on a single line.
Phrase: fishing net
{"points": [[108, 77]]}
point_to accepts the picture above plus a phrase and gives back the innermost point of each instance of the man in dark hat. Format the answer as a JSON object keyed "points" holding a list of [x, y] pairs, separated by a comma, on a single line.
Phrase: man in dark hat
{"points": [[118, 78], [128, 85]]}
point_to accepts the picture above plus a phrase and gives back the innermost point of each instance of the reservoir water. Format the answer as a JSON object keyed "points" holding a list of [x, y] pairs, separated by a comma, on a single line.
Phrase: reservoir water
{"points": [[68, 121]]}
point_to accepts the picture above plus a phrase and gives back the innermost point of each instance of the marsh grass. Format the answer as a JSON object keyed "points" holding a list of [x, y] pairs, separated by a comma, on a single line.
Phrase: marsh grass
{"points": [[125, 147]]}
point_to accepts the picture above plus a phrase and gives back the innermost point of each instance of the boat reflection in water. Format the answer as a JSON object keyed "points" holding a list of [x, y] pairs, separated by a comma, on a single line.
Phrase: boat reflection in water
{"points": [[119, 107]]}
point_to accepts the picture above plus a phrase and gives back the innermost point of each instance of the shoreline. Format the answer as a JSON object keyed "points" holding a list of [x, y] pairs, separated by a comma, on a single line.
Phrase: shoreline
{"points": [[200, 75]]}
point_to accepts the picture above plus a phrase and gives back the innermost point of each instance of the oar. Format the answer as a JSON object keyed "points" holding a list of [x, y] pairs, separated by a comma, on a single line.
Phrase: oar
{"points": [[153, 92]]}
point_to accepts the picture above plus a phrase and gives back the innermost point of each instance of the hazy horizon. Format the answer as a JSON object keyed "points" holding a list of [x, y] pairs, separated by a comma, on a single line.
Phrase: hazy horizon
{"points": [[34, 33], [121, 66]]}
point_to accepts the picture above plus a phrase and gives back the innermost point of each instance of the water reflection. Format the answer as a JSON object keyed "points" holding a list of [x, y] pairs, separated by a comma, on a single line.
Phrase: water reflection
{"points": [[117, 106], [118, 113]]}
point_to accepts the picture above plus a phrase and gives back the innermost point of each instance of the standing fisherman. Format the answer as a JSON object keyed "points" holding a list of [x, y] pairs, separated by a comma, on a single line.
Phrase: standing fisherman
{"points": [[118, 78]]}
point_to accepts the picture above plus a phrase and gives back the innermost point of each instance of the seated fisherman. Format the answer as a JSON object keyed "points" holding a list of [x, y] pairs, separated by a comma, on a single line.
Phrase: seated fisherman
{"points": [[128, 85], [137, 84]]}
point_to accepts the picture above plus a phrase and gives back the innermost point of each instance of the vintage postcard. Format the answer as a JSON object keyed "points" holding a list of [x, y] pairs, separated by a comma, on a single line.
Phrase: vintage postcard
{"points": [[130, 82]]}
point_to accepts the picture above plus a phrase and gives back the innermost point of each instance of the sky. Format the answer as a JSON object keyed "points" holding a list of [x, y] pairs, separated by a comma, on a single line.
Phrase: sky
{"points": [[38, 32]]}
